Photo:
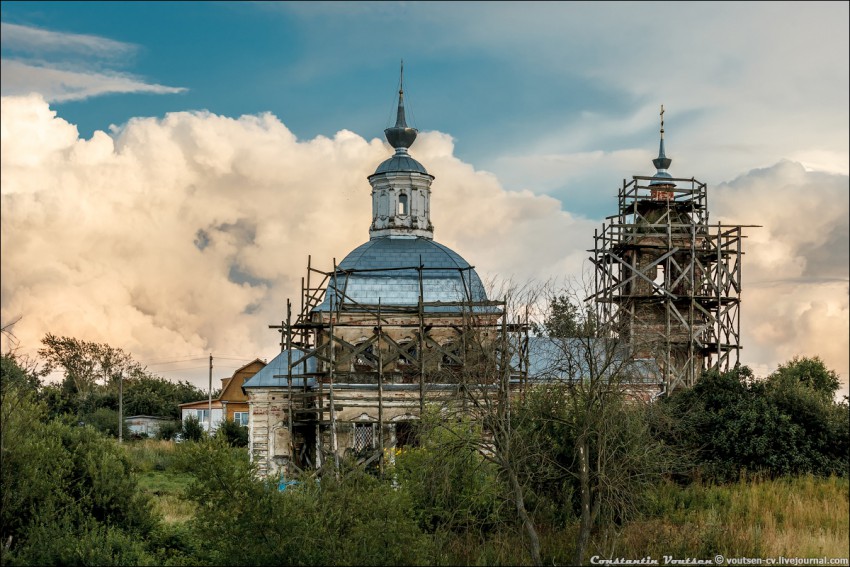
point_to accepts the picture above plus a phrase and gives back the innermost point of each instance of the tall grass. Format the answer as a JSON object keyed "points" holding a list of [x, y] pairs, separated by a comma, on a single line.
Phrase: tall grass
{"points": [[155, 463], [151, 455], [793, 517], [802, 516]]}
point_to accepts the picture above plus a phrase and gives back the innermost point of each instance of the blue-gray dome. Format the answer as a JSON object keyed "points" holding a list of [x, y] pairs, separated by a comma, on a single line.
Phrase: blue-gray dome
{"points": [[401, 162], [384, 269]]}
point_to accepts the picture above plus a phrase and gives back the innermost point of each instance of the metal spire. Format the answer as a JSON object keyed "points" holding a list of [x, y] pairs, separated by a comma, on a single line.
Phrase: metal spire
{"points": [[662, 162], [400, 121], [401, 136]]}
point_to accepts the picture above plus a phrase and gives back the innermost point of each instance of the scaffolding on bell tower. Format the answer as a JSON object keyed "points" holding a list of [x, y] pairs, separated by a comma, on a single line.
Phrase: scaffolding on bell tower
{"points": [[666, 281]]}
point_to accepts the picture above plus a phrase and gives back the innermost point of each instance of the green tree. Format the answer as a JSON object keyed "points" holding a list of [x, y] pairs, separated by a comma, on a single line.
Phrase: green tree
{"points": [[85, 364], [356, 520], [62, 485], [104, 420], [565, 318], [811, 372], [151, 395], [192, 429], [454, 489], [780, 426], [234, 434], [18, 373], [168, 430]]}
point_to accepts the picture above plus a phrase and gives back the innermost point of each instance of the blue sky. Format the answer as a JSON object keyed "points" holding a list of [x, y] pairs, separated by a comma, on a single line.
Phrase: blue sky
{"points": [[543, 107]]}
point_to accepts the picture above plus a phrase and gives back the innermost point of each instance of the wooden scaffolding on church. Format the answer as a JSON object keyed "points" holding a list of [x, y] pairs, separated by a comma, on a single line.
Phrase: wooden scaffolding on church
{"points": [[667, 282], [354, 358]]}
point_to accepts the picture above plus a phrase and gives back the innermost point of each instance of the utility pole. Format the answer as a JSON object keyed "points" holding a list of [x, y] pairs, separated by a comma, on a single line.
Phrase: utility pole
{"points": [[121, 407], [209, 407]]}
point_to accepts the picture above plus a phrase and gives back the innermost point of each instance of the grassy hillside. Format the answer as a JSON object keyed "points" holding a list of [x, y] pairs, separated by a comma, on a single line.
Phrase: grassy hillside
{"points": [[803, 516]]}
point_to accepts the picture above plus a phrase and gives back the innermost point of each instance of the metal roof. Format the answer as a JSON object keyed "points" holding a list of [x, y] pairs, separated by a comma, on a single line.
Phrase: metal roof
{"points": [[384, 270], [401, 162], [553, 359], [274, 374]]}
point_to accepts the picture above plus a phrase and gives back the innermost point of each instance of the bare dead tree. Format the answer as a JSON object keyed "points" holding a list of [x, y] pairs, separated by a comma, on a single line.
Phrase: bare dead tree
{"points": [[594, 390]]}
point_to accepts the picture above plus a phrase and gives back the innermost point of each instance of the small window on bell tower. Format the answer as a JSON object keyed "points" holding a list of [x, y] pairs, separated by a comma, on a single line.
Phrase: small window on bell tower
{"points": [[402, 204]]}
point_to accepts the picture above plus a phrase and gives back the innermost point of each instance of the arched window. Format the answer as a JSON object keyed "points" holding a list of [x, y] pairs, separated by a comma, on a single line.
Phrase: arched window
{"points": [[402, 204]]}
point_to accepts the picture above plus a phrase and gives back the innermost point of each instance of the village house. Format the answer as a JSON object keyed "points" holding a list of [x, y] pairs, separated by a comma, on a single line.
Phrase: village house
{"points": [[231, 404]]}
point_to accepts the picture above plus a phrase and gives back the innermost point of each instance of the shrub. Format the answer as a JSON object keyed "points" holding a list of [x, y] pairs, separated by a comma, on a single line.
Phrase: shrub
{"points": [[168, 430], [68, 495], [192, 429], [104, 420], [235, 434], [785, 425]]}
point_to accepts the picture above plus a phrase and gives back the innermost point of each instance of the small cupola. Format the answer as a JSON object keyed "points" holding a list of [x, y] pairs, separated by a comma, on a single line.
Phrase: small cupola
{"points": [[401, 186]]}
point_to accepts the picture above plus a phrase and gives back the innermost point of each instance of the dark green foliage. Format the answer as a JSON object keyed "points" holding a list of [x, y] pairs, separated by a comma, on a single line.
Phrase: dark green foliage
{"points": [[358, 520], [57, 402], [810, 372], [16, 373], [785, 425], [234, 434], [453, 488], [73, 540], [92, 374], [192, 429], [566, 319], [625, 461], [168, 430], [104, 420], [68, 495], [151, 395]]}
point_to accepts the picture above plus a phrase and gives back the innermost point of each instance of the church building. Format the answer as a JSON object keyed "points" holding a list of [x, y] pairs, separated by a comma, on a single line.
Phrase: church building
{"points": [[387, 331]]}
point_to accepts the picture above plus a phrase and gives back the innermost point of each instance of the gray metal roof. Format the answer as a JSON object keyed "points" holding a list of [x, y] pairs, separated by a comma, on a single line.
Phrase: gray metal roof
{"points": [[274, 374], [401, 162], [552, 359], [384, 270]]}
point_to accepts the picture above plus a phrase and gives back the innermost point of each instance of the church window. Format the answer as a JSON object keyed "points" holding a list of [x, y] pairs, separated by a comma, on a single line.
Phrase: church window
{"points": [[364, 436], [402, 204]]}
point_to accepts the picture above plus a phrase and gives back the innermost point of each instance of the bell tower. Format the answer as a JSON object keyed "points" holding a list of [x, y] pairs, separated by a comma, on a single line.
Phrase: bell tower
{"points": [[667, 282]]}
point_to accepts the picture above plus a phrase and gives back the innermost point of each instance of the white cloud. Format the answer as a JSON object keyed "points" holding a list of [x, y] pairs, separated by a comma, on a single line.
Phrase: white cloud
{"points": [[59, 85], [39, 41], [64, 66], [796, 266], [186, 234]]}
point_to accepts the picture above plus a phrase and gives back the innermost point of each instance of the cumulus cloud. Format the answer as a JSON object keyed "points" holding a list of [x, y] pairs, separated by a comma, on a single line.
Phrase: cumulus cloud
{"points": [[796, 265], [186, 234], [66, 66]]}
